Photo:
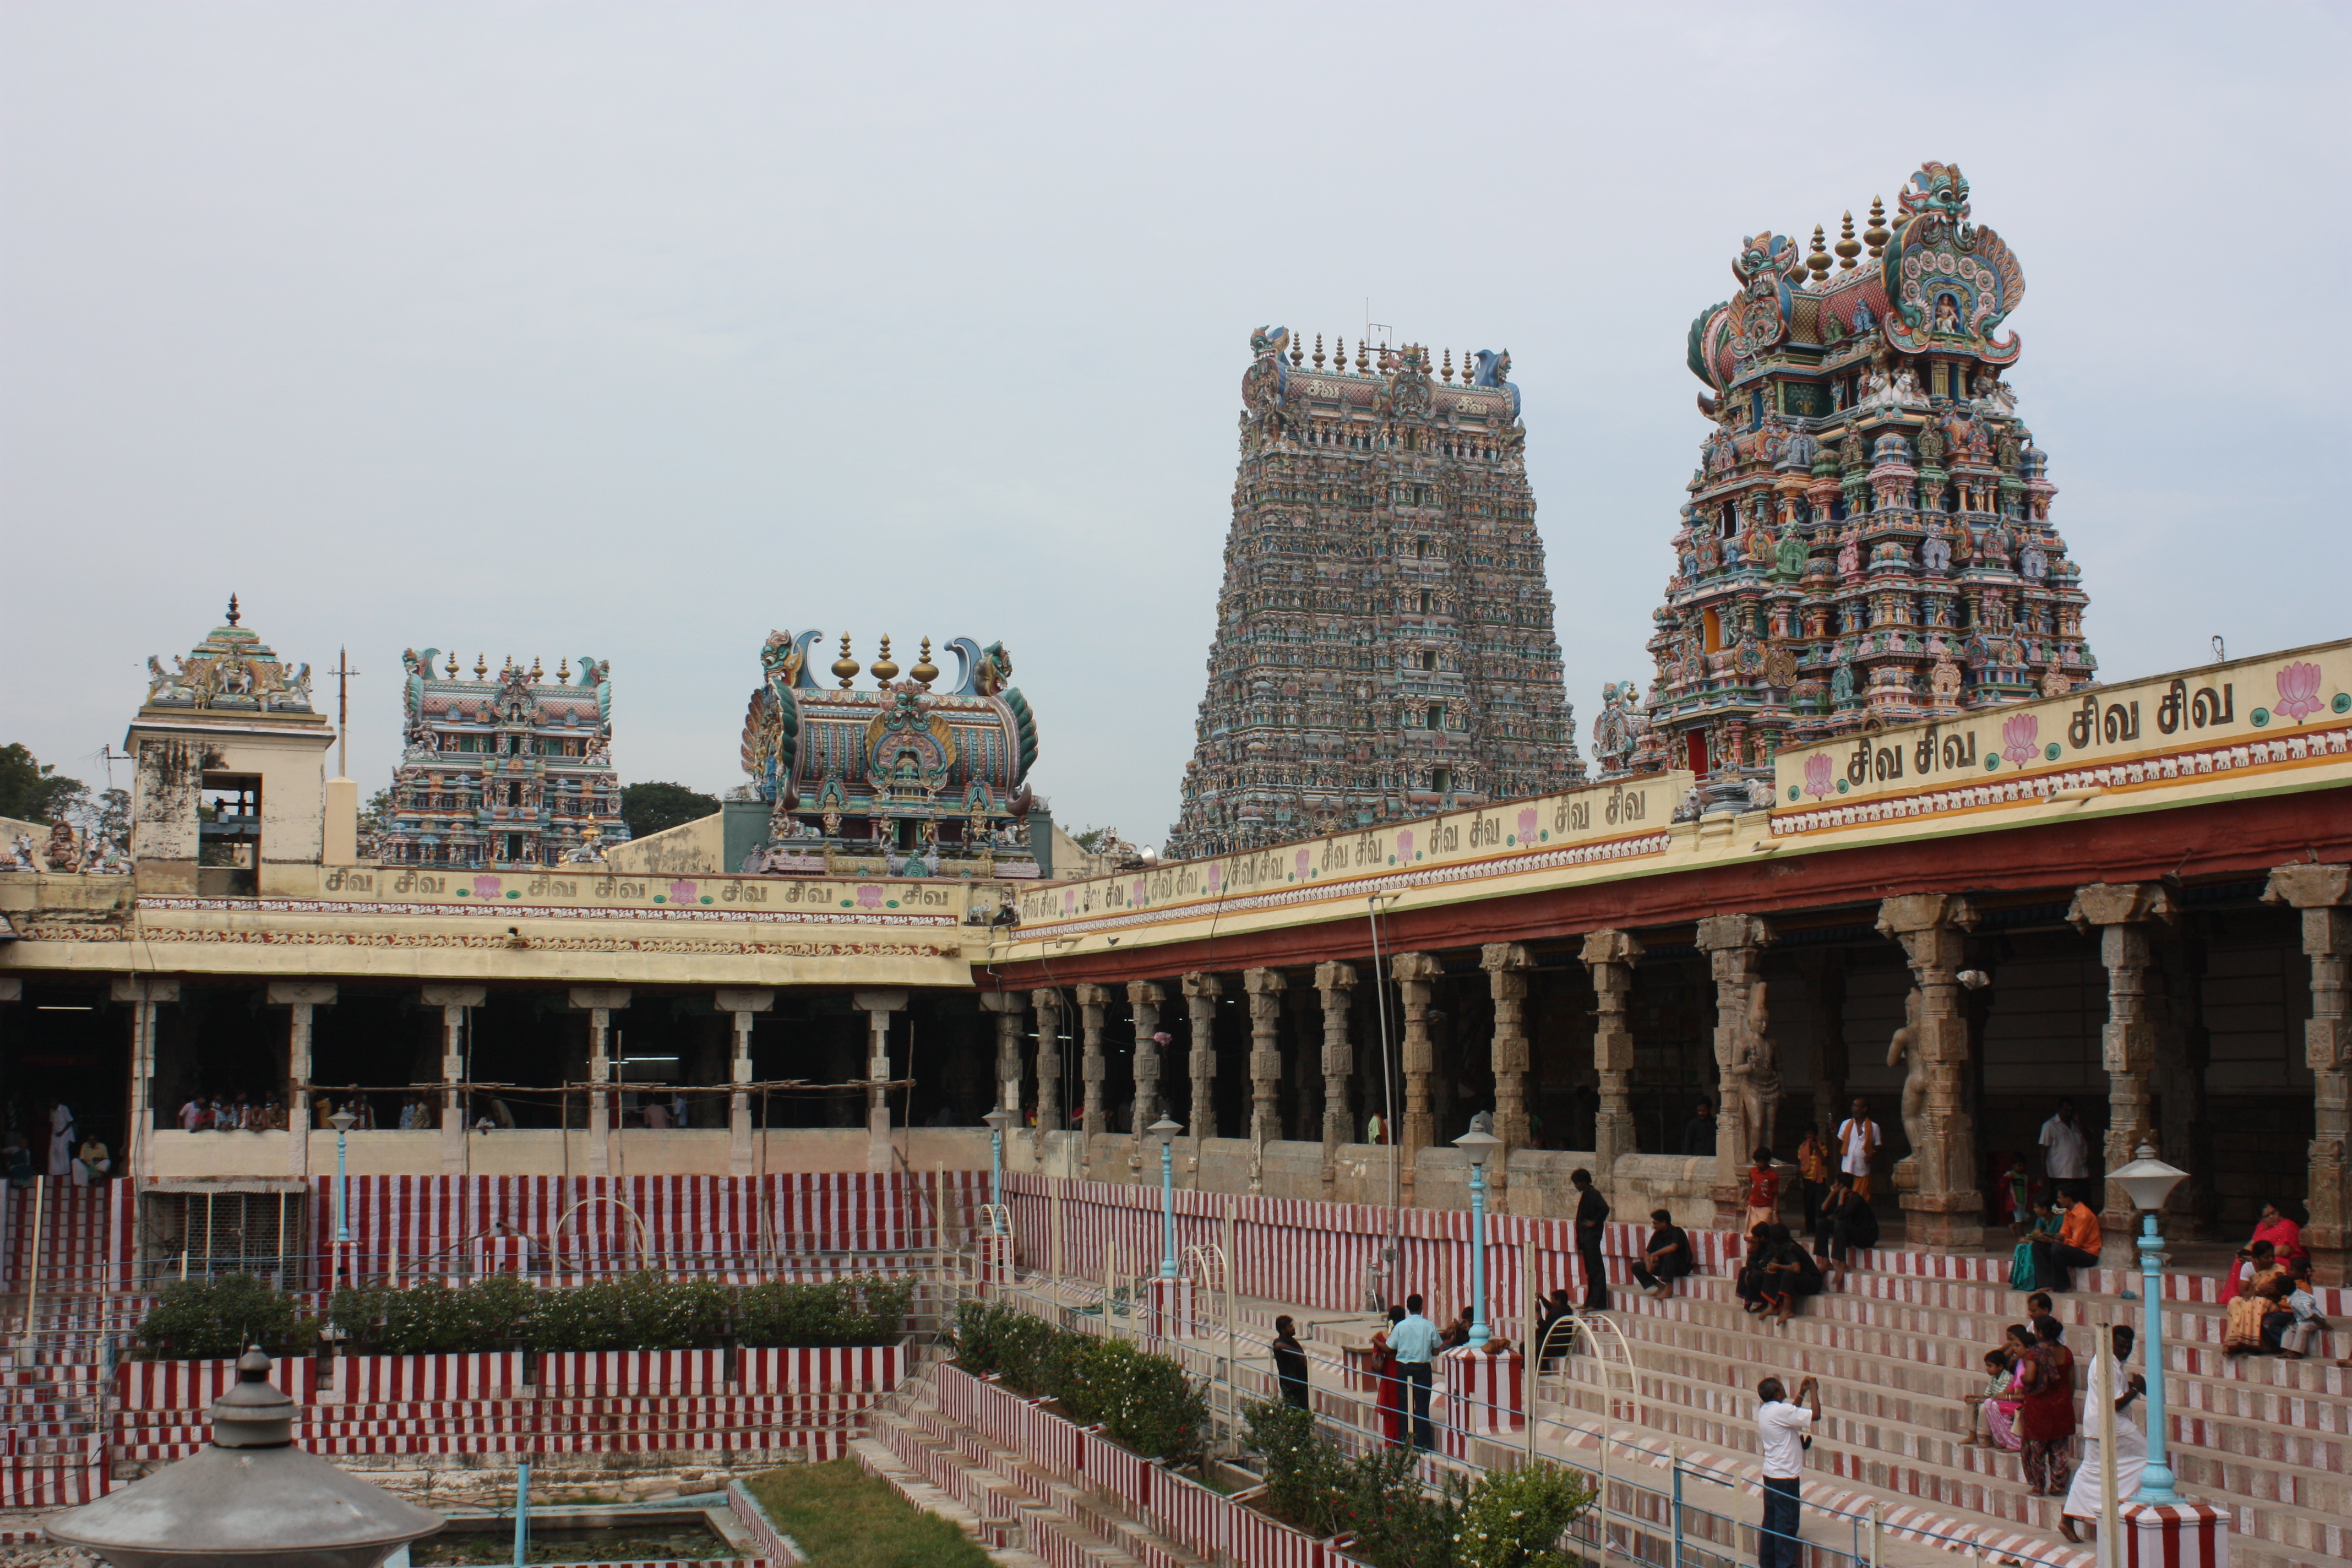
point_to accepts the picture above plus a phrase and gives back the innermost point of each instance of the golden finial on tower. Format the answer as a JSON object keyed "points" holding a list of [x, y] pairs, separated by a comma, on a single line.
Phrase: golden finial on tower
{"points": [[1448, 371], [1298, 351], [1876, 233], [1363, 356], [563, 671], [1319, 351], [885, 670], [844, 668], [453, 666], [481, 666], [925, 671], [535, 670], [1848, 247], [1818, 262], [232, 609]]}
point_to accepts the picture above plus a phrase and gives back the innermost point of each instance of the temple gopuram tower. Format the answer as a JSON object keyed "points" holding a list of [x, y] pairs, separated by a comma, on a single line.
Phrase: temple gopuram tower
{"points": [[1868, 537], [1384, 641]]}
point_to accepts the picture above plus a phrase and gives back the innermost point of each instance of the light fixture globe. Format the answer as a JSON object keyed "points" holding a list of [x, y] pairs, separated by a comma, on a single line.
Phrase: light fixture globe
{"points": [[1478, 1143], [1000, 1119], [342, 1122], [2147, 1180], [248, 1498], [1166, 1131]]}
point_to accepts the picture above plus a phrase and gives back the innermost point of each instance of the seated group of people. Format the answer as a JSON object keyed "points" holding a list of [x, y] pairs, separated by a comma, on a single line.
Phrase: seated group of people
{"points": [[220, 1113], [2272, 1311]]}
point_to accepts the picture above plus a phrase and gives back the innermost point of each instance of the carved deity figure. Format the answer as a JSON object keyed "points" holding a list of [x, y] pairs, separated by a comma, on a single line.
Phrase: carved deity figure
{"points": [[1931, 445], [1757, 1066], [1903, 1051], [63, 852], [1793, 552], [1944, 682], [1841, 685]]}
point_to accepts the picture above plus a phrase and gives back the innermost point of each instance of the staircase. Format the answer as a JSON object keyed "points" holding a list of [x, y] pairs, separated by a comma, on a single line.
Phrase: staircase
{"points": [[52, 1394]]}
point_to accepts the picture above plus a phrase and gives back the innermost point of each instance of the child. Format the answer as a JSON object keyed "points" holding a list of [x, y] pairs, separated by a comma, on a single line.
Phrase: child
{"points": [[1998, 1402], [1763, 1191], [2289, 1329]]}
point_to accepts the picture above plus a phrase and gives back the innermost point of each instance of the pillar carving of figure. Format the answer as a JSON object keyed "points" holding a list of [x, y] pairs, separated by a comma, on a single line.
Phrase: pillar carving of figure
{"points": [[1506, 964], [453, 1001], [1010, 1010], [1048, 1002], [1747, 1072], [1416, 976], [2321, 893], [1093, 1001], [1265, 988], [1145, 997], [145, 992], [2123, 914], [1200, 994], [1611, 955], [743, 1009], [1337, 982], [300, 998], [1945, 1210]]}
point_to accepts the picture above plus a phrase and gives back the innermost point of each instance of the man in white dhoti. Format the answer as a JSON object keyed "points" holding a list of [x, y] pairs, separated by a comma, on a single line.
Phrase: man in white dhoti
{"points": [[2084, 1499], [61, 1139]]}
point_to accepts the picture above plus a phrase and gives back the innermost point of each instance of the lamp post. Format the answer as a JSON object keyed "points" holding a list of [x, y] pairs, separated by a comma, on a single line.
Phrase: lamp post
{"points": [[998, 1120], [1478, 1143], [342, 1122], [2147, 1181], [1165, 1131]]}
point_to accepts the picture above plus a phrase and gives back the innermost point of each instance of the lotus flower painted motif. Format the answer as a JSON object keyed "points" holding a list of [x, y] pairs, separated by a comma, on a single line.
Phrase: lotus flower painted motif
{"points": [[681, 892], [1404, 845], [2298, 689], [1069, 901], [487, 886], [1303, 861], [869, 897], [2018, 738], [1138, 897], [1216, 878], [1819, 771], [1527, 823]]}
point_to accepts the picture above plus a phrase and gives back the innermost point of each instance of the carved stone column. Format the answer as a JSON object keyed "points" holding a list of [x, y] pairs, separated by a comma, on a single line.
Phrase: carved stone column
{"points": [[1093, 1001], [1416, 976], [1048, 1002], [877, 1006], [1009, 1009], [2123, 914], [1506, 964], [1265, 987], [2184, 1054], [299, 997], [1748, 1074], [2321, 893], [453, 1001], [1200, 994], [1337, 982], [1947, 1210], [145, 992], [1610, 956], [1145, 997], [745, 1008], [600, 1002]]}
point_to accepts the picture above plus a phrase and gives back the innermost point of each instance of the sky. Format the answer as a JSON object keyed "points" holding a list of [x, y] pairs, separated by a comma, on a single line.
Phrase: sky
{"points": [[638, 330]]}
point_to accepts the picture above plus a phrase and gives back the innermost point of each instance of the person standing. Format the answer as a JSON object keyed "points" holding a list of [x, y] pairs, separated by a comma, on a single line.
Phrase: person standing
{"points": [[1698, 1133], [1591, 1227], [2065, 1152], [1413, 1341], [1785, 1429], [1813, 1175], [2045, 1415], [1763, 1191], [1290, 1363], [2084, 1497], [1858, 1145], [2077, 1246], [61, 1139]]}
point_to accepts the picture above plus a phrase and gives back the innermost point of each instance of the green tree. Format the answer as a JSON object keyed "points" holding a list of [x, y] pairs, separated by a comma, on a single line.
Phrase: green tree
{"points": [[649, 809], [31, 789], [1091, 840]]}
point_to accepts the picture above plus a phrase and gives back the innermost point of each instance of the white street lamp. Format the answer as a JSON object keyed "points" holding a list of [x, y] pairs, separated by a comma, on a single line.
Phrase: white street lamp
{"points": [[1166, 1131], [2147, 1181], [1477, 1143], [342, 1122], [998, 1120]]}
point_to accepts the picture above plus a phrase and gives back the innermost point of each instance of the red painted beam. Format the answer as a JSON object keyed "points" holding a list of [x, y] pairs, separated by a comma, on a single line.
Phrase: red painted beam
{"points": [[2196, 842]]}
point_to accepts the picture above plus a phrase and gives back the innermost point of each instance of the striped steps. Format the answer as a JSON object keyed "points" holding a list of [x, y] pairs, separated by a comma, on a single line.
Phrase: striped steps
{"points": [[878, 1461]]}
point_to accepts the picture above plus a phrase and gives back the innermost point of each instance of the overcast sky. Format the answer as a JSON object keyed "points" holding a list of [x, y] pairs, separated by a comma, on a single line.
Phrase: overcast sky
{"points": [[552, 330]]}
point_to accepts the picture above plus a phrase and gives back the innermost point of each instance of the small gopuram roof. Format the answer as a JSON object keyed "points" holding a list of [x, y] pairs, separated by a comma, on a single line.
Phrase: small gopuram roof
{"points": [[231, 671]]}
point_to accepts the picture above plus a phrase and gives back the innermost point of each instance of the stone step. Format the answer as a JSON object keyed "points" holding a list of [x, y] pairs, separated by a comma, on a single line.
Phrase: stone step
{"points": [[878, 1461]]}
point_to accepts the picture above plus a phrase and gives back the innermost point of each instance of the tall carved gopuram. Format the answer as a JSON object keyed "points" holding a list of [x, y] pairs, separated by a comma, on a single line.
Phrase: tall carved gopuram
{"points": [[1384, 643], [1868, 537]]}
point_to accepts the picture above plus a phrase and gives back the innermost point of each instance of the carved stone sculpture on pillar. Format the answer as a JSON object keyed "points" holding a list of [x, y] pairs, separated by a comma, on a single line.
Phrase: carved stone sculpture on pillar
{"points": [[299, 997], [2322, 893], [1947, 1209], [1200, 994], [1048, 1002], [1610, 956], [600, 1003], [1265, 987], [1747, 1072], [1416, 976], [2123, 914], [1010, 1008], [743, 1007], [1144, 996], [1337, 982], [1506, 964]]}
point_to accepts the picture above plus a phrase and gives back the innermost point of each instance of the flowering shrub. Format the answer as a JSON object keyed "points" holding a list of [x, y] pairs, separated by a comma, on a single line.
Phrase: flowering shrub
{"points": [[211, 1319], [1143, 1400], [645, 1311], [1514, 1517]]}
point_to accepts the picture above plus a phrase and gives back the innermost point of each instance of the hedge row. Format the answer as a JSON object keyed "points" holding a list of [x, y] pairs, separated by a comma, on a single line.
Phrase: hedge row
{"points": [[1142, 1401], [204, 1319]]}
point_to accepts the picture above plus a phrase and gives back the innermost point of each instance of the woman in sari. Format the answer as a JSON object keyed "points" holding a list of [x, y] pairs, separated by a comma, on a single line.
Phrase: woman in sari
{"points": [[2283, 1237], [2045, 1415], [2242, 1323], [2044, 1229], [1390, 1406], [2001, 1407]]}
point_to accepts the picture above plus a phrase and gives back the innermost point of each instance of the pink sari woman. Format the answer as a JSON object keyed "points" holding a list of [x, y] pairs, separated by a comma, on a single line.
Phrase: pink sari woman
{"points": [[2286, 1238]]}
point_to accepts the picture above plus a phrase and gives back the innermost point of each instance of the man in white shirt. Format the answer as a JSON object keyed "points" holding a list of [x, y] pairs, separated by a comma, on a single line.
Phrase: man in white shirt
{"points": [[1785, 1429], [2065, 1152], [1413, 1341], [194, 1115], [2084, 1497], [1858, 1145]]}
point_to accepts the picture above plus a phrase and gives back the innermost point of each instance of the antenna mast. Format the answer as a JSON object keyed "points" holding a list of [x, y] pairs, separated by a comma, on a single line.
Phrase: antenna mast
{"points": [[343, 673]]}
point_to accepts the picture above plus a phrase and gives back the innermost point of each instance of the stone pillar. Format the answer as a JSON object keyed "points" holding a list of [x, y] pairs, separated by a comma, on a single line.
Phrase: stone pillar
{"points": [[2123, 912], [744, 1007], [1265, 987], [299, 997], [1200, 994], [1416, 976], [1506, 964], [2322, 894], [2184, 1054], [1337, 982], [1144, 996], [877, 1006], [453, 1001], [1008, 1007], [1048, 1004], [1830, 1057], [1748, 1074], [600, 1003], [1947, 1210], [1610, 956], [145, 992], [1092, 1001]]}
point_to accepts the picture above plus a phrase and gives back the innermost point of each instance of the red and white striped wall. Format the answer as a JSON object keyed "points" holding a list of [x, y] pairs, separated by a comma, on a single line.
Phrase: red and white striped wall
{"points": [[2174, 1535]]}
